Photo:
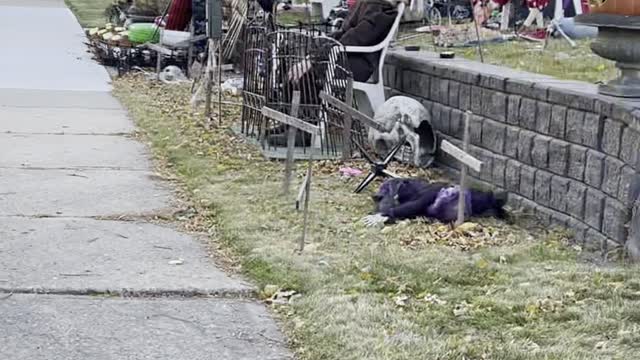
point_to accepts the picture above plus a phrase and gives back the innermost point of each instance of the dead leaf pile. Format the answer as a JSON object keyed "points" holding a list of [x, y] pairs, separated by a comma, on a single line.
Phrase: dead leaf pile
{"points": [[468, 236]]}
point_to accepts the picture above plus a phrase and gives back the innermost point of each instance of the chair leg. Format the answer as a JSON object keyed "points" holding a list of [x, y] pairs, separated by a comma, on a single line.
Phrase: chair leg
{"points": [[377, 98], [363, 100]]}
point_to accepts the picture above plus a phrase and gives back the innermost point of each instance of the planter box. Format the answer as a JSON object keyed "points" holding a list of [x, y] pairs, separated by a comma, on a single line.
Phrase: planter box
{"points": [[619, 7]]}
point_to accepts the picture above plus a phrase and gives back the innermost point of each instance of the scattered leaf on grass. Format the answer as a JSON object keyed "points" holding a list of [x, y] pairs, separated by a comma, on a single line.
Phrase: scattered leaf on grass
{"points": [[601, 345], [401, 300], [270, 290], [283, 297], [461, 309], [434, 299]]}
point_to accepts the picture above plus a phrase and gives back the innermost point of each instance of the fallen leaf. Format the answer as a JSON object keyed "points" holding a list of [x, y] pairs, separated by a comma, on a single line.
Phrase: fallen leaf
{"points": [[601, 345], [270, 290], [461, 309], [401, 300], [468, 227], [433, 299], [482, 264]]}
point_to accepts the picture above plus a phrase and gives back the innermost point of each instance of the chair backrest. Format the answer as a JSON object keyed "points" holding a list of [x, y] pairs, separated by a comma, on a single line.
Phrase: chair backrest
{"points": [[387, 41]]}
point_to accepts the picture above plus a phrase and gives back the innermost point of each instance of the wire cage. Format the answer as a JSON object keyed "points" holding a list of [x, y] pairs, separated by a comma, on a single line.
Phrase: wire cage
{"points": [[280, 60], [255, 74]]}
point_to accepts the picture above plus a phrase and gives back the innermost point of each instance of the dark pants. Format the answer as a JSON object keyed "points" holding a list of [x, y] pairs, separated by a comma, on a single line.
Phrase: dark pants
{"points": [[360, 67]]}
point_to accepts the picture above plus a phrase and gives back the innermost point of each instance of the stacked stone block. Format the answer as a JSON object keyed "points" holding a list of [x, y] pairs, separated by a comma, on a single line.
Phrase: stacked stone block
{"points": [[557, 147]]}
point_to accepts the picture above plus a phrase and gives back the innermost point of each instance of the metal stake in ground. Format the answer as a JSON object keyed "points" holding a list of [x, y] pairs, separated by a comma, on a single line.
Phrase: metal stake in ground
{"points": [[305, 188], [466, 160], [477, 26]]}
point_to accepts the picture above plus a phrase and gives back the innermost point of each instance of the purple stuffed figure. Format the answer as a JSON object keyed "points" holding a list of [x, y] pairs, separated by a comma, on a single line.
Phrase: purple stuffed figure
{"points": [[400, 199]]}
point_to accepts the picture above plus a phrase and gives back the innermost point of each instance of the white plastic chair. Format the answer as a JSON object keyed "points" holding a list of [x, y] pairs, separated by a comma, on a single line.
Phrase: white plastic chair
{"points": [[369, 95]]}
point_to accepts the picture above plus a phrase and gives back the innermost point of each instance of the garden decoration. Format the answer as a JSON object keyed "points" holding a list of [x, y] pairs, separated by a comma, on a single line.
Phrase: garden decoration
{"points": [[619, 7], [214, 57], [398, 122], [378, 168], [305, 189], [279, 61], [467, 161], [618, 23], [291, 139]]}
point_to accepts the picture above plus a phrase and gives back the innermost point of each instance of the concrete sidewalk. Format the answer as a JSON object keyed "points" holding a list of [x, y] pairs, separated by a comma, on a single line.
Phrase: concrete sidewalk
{"points": [[67, 163]]}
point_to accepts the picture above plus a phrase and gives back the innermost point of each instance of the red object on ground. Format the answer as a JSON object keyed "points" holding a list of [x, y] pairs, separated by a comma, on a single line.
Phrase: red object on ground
{"points": [[540, 4], [538, 35], [179, 15]]}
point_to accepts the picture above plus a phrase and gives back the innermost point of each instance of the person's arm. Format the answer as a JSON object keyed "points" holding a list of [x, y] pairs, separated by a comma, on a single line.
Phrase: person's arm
{"points": [[412, 209], [349, 22]]}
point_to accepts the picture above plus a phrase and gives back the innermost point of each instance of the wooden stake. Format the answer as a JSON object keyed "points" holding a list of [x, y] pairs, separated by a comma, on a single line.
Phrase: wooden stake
{"points": [[348, 108], [190, 51], [291, 143], [467, 162], [209, 80], [348, 120], [307, 196], [305, 189], [159, 65], [219, 62], [463, 174]]}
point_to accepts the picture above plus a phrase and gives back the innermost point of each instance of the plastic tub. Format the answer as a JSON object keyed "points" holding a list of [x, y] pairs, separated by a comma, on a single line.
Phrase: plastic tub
{"points": [[143, 32], [173, 38]]}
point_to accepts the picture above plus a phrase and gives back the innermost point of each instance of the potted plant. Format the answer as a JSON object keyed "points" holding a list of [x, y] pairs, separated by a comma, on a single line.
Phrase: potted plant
{"points": [[618, 40], [616, 7]]}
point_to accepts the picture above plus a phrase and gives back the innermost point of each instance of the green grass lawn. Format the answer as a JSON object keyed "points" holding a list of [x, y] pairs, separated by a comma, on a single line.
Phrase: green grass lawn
{"points": [[416, 290], [90, 13], [559, 59]]}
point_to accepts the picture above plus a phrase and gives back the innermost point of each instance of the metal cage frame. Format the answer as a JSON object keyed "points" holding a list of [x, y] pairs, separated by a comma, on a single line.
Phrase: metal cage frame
{"points": [[274, 55]]}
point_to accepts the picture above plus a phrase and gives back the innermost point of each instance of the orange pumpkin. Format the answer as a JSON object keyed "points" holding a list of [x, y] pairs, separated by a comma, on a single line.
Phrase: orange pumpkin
{"points": [[618, 7]]}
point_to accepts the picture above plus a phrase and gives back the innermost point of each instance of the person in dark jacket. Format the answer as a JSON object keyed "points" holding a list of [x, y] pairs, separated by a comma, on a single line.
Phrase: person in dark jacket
{"points": [[400, 199], [368, 24]]}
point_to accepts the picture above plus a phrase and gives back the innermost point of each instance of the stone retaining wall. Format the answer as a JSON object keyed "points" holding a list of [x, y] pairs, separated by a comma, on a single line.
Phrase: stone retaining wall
{"points": [[556, 146]]}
